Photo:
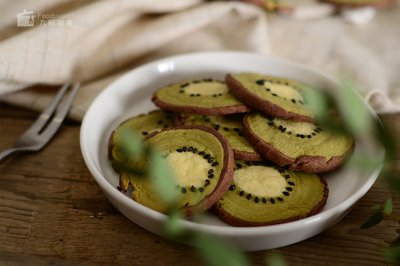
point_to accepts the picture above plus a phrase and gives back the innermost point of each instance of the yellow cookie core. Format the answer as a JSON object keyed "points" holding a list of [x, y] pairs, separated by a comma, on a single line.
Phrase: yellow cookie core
{"points": [[189, 168], [260, 181]]}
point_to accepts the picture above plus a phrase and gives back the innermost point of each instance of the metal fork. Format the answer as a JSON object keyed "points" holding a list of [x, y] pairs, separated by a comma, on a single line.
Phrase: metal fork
{"points": [[47, 124]]}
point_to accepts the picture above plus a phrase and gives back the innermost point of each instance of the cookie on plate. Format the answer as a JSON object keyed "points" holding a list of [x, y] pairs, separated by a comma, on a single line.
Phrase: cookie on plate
{"points": [[228, 125], [206, 97], [360, 3], [202, 162], [300, 146], [264, 194], [270, 95], [143, 125]]}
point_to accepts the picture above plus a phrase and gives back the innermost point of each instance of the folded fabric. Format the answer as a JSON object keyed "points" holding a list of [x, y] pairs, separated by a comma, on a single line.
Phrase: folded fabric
{"points": [[95, 42], [108, 37]]}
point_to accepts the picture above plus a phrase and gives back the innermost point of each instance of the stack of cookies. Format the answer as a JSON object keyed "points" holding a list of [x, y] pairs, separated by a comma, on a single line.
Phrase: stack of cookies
{"points": [[247, 147]]}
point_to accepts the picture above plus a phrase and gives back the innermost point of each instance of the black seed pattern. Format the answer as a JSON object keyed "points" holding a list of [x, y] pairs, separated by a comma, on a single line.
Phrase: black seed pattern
{"points": [[232, 187], [260, 82], [201, 189], [145, 133], [184, 85], [248, 196], [256, 199], [272, 200], [192, 188], [183, 190], [207, 182], [291, 183], [241, 193], [289, 189], [285, 193], [280, 199], [210, 171], [214, 164], [264, 200]]}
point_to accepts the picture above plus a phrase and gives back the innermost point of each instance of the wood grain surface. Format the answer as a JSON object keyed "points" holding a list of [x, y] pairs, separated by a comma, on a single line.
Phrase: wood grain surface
{"points": [[53, 212]]}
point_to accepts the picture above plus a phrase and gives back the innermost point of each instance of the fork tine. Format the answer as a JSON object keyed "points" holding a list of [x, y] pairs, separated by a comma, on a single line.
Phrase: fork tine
{"points": [[46, 114], [55, 123]]}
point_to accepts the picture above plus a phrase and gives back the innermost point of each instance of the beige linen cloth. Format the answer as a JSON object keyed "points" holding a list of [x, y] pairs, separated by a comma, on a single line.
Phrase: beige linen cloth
{"points": [[95, 42]]}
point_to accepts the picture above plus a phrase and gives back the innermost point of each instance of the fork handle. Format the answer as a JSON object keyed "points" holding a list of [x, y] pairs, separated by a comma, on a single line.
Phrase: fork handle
{"points": [[7, 153]]}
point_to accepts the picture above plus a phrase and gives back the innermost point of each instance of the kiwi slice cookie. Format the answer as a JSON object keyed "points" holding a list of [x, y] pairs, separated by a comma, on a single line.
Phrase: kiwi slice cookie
{"points": [[206, 96], [270, 95], [202, 161], [143, 124], [231, 127], [300, 146], [262, 194]]}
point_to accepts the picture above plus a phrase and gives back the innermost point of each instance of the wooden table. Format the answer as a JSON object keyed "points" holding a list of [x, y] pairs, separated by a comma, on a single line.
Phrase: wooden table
{"points": [[53, 212]]}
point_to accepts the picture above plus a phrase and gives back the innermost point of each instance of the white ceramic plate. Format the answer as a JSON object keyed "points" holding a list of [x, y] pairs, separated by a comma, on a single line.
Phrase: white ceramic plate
{"points": [[130, 95]]}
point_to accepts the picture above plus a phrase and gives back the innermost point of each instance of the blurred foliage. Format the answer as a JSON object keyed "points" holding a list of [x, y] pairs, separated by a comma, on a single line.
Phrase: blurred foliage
{"points": [[275, 259]]}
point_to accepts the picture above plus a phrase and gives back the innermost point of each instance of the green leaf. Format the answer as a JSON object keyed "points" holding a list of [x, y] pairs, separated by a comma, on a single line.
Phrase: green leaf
{"points": [[392, 178], [395, 242], [373, 220], [388, 208], [217, 252], [364, 162], [275, 259], [318, 103], [173, 226], [352, 109], [131, 143], [376, 208], [387, 140], [393, 254], [127, 168], [162, 177]]}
